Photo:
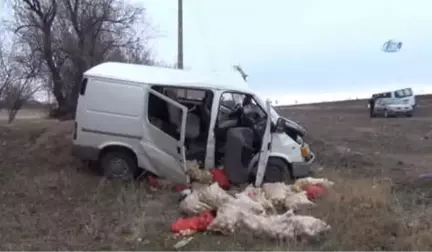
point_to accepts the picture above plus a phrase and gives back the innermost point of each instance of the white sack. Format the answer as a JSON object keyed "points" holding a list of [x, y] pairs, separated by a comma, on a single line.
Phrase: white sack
{"points": [[276, 193], [214, 196], [274, 226], [298, 201], [302, 183], [247, 204], [308, 225], [191, 205], [227, 219], [282, 226], [258, 195]]}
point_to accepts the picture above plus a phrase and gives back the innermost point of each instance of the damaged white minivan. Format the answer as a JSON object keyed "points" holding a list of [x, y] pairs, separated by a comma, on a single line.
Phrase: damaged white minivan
{"points": [[131, 118]]}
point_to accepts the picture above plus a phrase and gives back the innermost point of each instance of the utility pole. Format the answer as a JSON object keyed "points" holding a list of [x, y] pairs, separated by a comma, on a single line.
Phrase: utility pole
{"points": [[180, 35]]}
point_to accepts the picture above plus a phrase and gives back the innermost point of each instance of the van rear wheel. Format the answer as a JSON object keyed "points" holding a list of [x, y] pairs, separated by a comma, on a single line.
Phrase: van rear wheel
{"points": [[118, 165]]}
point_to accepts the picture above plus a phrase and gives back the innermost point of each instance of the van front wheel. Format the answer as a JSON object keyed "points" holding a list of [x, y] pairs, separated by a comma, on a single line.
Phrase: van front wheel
{"points": [[118, 165], [277, 171]]}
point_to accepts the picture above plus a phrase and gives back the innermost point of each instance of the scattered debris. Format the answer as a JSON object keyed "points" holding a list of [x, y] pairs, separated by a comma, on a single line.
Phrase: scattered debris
{"points": [[298, 201], [219, 176], [185, 241], [315, 191], [301, 184], [197, 174], [276, 193], [253, 209], [196, 223]]}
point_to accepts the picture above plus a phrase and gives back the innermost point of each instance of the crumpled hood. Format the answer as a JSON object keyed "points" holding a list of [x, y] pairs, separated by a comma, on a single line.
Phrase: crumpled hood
{"points": [[295, 126]]}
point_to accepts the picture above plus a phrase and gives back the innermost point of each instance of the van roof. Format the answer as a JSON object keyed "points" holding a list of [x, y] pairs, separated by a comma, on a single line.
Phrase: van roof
{"points": [[165, 76], [391, 91]]}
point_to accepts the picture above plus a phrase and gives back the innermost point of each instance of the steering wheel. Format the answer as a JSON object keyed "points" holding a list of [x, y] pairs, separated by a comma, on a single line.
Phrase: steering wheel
{"points": [[237, 107]]}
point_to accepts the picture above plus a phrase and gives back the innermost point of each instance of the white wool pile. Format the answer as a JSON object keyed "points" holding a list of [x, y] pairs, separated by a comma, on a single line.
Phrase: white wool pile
{"points": [[308, 225], [227, 216], [247, 204], [227, 219], [214, 195], [203, 199], [276, 193], [274, 226], [191, 205], [258, 195], [249, 209], [302, 183], [282, 226], [298, 201]]}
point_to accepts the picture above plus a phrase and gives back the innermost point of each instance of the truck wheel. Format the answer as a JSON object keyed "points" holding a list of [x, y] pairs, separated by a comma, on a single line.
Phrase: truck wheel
{"points": [[409, 115], [386, 113], [119, 165], [277, 171]]}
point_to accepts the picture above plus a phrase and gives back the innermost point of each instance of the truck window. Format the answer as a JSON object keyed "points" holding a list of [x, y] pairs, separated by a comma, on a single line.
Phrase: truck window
{"points": [[187, 93], [403, 93], [227, 100]]}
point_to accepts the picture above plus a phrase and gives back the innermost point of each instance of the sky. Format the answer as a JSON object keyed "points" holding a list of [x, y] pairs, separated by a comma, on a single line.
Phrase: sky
{"points": [[304, 51], [307, 50]]}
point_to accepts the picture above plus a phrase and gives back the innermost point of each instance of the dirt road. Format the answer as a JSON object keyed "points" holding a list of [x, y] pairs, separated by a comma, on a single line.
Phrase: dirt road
{"points": [[50, 202], [23, 114]]}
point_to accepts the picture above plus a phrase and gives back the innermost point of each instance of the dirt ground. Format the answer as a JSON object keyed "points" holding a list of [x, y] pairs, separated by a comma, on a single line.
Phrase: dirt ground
{"points": [[24, 114], [49, 201]]}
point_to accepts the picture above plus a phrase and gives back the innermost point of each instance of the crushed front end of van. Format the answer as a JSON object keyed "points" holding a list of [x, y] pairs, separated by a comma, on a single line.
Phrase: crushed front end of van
{"points": [[299, 153]]}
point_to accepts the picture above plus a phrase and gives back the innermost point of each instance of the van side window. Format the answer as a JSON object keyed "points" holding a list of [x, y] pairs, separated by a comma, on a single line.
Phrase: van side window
{"points": [[402, 93], [399, 94], [167, 116], [164, 116]]}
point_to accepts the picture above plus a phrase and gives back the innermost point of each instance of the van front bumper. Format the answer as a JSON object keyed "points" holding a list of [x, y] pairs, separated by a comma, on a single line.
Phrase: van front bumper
{"points": [[303, 169]]}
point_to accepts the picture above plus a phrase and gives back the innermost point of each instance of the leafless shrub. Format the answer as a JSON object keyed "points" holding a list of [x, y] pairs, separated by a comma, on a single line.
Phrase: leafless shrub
{"points": [[69, 36], [18, 75]]}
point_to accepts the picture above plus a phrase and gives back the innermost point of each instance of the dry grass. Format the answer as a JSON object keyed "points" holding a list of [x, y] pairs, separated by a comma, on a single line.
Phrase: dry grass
{"points": [[368, 215], [49, 201]]}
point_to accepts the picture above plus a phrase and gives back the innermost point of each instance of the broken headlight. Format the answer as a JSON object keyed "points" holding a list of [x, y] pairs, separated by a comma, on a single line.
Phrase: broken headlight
{"points": [[299, 140]]}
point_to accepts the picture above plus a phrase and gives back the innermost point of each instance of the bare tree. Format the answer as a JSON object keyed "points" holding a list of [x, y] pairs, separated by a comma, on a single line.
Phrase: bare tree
{"points": [[70, 36], [18, 75], [6, 73], [17, 94]]}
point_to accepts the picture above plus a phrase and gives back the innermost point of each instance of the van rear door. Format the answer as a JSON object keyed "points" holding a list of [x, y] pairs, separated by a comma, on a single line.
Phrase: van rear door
{"points": [[166, 153], [265, 149]]}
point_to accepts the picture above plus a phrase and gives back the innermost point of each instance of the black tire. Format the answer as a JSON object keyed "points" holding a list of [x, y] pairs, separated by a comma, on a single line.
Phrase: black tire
{"points": [[409, 115], [277, 171], [386, 115], [119, 165]]}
